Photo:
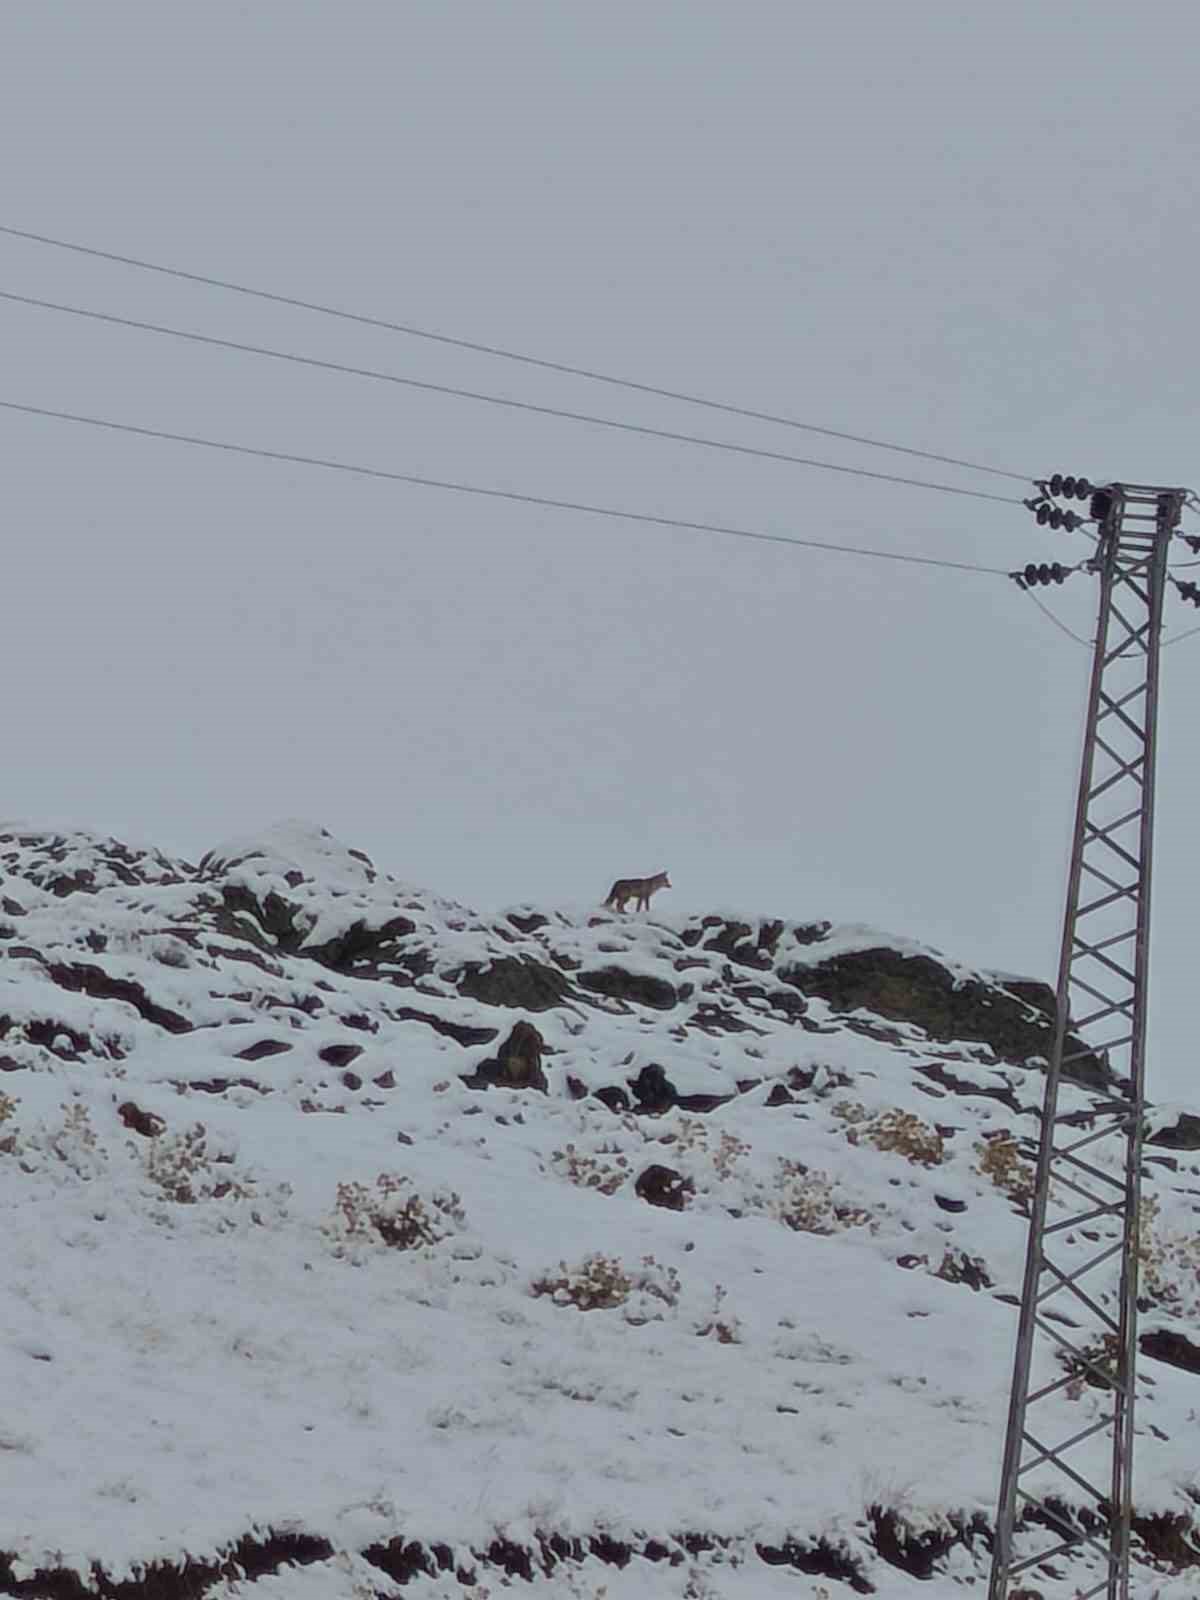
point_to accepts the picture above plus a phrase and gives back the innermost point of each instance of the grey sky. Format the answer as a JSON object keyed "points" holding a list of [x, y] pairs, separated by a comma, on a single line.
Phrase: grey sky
{"points": [[972, 229]]}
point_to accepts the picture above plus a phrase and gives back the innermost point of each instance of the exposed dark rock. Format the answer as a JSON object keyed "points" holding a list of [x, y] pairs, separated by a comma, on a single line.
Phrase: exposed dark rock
{"points": [[789, 1002], [1016, 1021], [733, 939], [702, 1104], [652, 1090], [613, 1552], [271, 918], [219, 1085], [340, 1055], [385, 1080], [918, 1554], [254, 1556], [1176, 1349], [819, 1560], [520, 1058], [947, 1204], [143, 1122], [359, 945], [614, 1097], [720, 1019], [49, 1034], [1183, 1134], [1165, 1537], [517, 1064], [528, 921], [938, 1072], [617, 984], [83, 978], [352, 1081], [779, 1096], [461, 1032], [515, 981], [663, 1186], [402, 1559], [261, 1048], [958, 1267]]}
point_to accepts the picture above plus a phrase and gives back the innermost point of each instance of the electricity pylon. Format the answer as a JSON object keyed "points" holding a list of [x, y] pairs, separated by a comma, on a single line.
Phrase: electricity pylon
{"points": [[1067, 1476]]}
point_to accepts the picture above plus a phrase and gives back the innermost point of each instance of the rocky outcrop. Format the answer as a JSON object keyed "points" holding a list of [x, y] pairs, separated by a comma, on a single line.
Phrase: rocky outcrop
{"points": [[517, 981], [639, 988], [1016, 1020]]}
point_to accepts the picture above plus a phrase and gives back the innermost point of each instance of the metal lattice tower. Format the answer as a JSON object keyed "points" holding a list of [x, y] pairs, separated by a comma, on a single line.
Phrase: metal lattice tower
{"points": [[1067, 1475]]}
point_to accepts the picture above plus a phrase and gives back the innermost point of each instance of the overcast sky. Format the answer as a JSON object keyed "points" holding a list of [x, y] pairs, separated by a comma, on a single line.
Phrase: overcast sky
{"points": [[970, 229]]}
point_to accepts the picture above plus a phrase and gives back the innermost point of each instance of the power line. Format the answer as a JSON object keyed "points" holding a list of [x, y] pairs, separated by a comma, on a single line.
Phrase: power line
{"points": [[507, 355], [1176, 637], [494, 399], [492, 493], [1057, 621]]}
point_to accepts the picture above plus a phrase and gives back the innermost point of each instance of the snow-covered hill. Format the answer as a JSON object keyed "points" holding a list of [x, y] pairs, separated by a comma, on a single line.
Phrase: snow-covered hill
{"points": [[356, 1243]]}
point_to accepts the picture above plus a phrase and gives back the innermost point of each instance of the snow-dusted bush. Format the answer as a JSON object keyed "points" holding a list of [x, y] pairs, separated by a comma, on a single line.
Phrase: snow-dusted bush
{"points": [[693, 1135], [188, 1168], [392, 1215], [180, 1165], [601, 1282], [8, 1110], [69, 1146], [723, 1326]]}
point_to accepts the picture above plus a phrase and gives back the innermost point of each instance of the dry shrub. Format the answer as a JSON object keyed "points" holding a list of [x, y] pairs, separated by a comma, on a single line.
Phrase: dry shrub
{"points": [[389, 1215], [601, 1282], [692, 1134], [894, 1130], [1000, 1160], [730, 1150], [725, 1329], [74, 1142], [1168, 1262], [803, 1200], [806, 1201], [8, 1110], [1102, 1354], [181, 1165], [958, 1267], [187, 1170], [590, 1171]]}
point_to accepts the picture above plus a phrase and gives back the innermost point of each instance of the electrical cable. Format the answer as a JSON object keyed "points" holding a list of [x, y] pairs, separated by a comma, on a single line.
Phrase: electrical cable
{"points": [[1176, 637], [1058, 623], [491, 493], [495, 400], [507, 355]]}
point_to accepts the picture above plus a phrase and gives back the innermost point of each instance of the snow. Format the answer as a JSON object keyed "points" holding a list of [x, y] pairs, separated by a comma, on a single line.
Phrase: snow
{"points": [[179, 1373]]}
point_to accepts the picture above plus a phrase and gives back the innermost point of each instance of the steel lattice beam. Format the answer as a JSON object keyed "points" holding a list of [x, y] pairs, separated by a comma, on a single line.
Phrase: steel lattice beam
{"points": [[1081, 1259]]}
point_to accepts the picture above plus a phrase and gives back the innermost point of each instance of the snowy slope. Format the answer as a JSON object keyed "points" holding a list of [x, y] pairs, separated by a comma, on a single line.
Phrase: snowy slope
{"points": [[305, 1298]]}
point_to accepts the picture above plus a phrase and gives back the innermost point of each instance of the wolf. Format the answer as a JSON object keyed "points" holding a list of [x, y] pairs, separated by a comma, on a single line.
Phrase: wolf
{"points": [[640, 888]]}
